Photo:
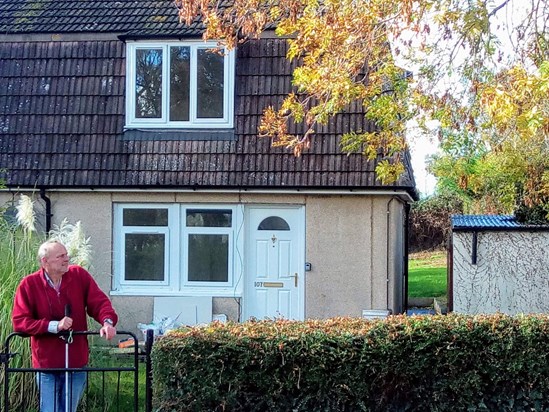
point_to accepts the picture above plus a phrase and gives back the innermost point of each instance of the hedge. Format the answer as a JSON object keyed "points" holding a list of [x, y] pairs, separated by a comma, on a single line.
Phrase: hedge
{"points": [[419, 363]]}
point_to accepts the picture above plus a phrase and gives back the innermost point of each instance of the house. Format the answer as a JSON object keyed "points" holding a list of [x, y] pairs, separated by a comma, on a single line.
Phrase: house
{"points": [[497, 264], [116, 115]]}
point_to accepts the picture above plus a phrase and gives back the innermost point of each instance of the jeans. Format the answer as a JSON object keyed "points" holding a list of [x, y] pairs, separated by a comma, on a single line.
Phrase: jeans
{"points": [[52, 390]]}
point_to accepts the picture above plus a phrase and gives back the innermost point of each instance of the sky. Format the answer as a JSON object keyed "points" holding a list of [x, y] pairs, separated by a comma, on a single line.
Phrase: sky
{"points": [[420, 150]]}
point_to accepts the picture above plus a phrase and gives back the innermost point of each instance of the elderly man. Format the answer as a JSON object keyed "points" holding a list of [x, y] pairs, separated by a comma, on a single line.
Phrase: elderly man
{"points": [[57, 298]]}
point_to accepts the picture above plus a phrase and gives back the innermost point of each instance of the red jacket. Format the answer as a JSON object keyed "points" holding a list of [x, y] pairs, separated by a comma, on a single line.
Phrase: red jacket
{"points": [[37, 303]]}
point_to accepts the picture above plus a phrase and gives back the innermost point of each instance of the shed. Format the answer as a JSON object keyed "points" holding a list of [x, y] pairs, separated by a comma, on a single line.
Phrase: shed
{"points": [[497, 264]]}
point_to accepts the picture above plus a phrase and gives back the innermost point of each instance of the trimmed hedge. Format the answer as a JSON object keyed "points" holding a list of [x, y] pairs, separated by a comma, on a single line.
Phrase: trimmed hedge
{"points": [[419, 363]]}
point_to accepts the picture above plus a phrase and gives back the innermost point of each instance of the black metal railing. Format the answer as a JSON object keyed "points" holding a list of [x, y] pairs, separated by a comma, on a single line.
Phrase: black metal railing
{"points": [[109, 388]]}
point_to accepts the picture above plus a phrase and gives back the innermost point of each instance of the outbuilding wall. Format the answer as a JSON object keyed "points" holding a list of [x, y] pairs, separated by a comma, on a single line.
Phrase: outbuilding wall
{"points": [[511, 274]]}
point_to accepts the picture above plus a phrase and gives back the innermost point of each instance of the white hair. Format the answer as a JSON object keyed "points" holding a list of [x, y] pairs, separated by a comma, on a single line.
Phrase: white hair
{"points": [[45, 247]]}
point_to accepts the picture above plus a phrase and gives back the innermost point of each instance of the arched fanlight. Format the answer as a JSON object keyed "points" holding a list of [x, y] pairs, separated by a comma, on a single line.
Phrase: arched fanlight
{"points": [[273, 223]]}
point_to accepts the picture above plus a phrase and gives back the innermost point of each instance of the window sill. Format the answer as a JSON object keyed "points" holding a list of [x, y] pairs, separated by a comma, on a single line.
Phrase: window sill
{"points": [[217, 292], [178, 134]]}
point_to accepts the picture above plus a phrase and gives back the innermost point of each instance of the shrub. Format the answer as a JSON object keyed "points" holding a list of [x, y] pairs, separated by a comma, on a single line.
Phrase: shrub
{"points": [[430, 221], [434, 363]]}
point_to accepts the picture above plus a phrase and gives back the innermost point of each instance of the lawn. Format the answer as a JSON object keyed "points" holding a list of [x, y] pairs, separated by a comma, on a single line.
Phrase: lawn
{"points": [[112, 391], [427, 274]]}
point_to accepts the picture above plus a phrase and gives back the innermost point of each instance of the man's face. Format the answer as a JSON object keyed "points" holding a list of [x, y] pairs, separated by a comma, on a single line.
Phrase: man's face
{"points": [[56, 262]]}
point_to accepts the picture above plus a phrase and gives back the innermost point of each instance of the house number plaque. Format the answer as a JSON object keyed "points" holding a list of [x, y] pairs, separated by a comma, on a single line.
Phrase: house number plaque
{"points": [[269, 284]]}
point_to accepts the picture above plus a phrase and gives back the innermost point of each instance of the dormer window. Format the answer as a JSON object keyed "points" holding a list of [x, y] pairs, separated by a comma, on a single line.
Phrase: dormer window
{"points": [[179, 85]]}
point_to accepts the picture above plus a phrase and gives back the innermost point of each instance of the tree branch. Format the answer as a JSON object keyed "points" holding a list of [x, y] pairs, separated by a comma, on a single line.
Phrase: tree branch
{"points": [[502, 5]]}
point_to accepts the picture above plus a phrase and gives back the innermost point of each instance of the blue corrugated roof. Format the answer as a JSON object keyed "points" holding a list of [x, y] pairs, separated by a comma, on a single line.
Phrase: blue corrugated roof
{"points": [[490, 222]]}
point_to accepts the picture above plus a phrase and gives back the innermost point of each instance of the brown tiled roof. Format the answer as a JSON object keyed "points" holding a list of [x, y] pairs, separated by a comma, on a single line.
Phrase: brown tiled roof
{"points": [[62, 108], [132, 17]]}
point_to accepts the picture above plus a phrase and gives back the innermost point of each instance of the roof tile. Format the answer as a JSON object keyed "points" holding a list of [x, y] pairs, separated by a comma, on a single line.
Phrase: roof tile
{"points": [[129, 17]]}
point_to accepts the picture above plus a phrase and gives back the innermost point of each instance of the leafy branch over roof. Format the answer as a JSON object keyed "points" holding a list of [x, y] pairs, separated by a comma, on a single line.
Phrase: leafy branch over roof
{"points": [[479, 71]]}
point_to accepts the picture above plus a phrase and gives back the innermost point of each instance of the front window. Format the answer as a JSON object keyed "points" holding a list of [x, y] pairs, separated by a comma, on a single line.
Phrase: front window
{"points": [[181, 85], [208, 242], [173, 248], [145, 233]]}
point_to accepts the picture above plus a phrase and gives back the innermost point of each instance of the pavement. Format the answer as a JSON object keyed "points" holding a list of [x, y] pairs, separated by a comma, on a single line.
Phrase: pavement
{"points": [[420, 311]]}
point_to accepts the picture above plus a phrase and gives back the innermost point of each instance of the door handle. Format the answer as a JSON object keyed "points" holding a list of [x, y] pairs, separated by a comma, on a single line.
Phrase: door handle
{"points": [[295, 278]]}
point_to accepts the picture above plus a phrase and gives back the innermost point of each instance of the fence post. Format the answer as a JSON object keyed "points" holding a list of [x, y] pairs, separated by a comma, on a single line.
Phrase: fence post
{"points": [[4, 358], [148, 370]]}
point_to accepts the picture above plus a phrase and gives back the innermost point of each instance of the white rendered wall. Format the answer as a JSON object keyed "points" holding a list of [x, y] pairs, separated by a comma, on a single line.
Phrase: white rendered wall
{"points": [[354, 243]]}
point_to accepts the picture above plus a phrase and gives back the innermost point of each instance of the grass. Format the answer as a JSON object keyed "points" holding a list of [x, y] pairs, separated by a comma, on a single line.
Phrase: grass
{"points": [[17, 258], [113, 391], [427, 275]]}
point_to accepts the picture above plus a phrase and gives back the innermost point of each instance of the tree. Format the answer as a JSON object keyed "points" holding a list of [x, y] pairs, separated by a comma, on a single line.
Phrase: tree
{"points": [[430, 221], [508, 169], [477, 84]]}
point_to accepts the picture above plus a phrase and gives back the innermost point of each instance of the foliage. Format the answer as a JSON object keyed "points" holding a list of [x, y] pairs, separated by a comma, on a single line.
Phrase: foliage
{"points": [[508, 170], [341, 47], [434, 363], [480, 71], [430, 221], [19, 244], [73, 237], [510, 180], [18, 248]]}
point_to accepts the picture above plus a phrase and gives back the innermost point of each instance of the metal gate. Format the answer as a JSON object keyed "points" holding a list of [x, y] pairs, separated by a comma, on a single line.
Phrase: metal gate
{"points": [[113, 383]]}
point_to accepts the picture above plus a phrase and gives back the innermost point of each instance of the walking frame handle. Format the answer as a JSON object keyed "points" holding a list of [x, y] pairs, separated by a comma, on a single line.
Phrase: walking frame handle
{"points": [[68, 315]]}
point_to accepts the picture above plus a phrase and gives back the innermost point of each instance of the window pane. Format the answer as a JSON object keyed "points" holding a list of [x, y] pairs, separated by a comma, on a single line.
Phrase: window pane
{"points": [[179, 83], [210, 84], [145, 217], [148, 83], [273, 223], [208, 258], [144, 257], [209, 218]]}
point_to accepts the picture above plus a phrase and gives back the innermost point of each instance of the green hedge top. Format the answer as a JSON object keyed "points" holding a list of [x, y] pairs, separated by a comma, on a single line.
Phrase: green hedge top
{"points": [[402, 363]]}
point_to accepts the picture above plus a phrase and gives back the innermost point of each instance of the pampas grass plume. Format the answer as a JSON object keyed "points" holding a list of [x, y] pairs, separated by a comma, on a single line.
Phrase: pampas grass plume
{"points": [[25, 213]]}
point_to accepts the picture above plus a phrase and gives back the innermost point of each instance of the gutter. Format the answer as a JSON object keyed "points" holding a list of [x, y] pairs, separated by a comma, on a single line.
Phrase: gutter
{"points": [[387, 253], [47, 201], [474, 248], [521, 228], [402, 194], [407, 208]]}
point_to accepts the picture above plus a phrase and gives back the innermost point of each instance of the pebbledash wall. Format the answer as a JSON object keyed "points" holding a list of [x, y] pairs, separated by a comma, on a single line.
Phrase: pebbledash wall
{"points": [[498, 265], [353, 244]]}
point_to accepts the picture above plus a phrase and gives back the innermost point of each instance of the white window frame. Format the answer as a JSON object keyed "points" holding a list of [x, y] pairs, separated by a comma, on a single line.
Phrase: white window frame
{"points": [[163, 122], [198, 230], [176, 282]]}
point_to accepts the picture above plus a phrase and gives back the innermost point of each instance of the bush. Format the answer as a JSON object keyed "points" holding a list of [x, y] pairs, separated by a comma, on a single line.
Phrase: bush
{"points": [[430, 221], [533, 215], [434, 363]]}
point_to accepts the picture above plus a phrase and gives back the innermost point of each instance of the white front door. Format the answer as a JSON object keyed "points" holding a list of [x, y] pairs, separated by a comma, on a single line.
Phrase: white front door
{"points": [[275, 263]]}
